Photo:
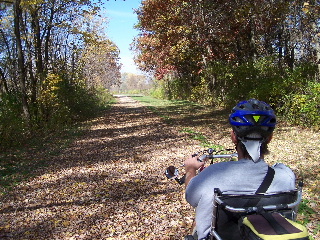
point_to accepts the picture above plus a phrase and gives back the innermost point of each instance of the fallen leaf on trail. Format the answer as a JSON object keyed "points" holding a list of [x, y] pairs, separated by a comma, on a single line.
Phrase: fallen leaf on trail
{"points": [[110, 183]]}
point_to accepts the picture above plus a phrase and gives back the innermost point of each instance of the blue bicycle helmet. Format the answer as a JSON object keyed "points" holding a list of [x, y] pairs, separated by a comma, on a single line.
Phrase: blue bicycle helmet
{"points": [[252, 117]]}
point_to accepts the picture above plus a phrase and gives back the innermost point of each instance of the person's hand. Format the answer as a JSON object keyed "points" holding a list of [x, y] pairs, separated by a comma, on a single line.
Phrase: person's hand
{"points": [[192, 163]]}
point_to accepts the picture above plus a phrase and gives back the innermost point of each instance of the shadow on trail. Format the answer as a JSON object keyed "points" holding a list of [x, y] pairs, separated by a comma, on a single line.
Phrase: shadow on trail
{"points": [[103, 205], [128, 190], [83, 187], [123, 133], [109, 179], [195, 116], [126, 136]]}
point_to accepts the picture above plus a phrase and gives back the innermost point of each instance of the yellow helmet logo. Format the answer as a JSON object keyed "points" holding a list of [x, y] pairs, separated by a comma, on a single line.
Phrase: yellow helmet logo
{"points": [[256, 118]]}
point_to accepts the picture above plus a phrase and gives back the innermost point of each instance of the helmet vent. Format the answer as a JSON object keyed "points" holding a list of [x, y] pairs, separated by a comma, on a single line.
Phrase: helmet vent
{"points": [[255, 106], [273, 120], [237, 119]]}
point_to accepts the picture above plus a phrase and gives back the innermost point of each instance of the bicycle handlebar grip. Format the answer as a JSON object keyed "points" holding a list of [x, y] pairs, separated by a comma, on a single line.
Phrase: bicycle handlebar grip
{"points": [[202, 158]]}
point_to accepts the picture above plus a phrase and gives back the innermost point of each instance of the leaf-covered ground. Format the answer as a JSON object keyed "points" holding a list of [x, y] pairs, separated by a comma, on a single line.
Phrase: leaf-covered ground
{"points": [[110, 183]]}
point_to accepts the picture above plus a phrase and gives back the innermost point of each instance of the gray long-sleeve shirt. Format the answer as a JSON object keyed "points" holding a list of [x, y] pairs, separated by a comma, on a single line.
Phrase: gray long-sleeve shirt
{"points": [[242, 177]]}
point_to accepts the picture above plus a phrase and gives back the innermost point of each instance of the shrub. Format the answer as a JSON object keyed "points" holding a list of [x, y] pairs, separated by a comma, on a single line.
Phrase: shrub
{"points": [[53, 109], [12, 126], [201, 93], [303, 108], [59, 104], [261, 79], [158, 91], [62, 102]]}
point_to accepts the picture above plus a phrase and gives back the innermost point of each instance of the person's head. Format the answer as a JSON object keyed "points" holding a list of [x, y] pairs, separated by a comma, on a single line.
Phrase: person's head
{"points": [[253, 122]]}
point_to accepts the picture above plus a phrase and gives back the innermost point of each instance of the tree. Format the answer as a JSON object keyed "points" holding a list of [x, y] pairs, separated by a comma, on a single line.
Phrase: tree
{"points": [[20, 58], [132, 83], [43, 45], [100, 57], [205, 43], [311, 22]]}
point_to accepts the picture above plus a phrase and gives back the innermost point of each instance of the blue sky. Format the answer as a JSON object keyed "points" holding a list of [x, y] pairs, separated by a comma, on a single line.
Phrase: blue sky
{"points": [[120, 29]]}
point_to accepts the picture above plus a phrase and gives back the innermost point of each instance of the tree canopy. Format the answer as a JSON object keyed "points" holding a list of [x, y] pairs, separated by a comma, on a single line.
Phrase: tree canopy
{"points": [[53, 51], [219, 52], [187, 35]]}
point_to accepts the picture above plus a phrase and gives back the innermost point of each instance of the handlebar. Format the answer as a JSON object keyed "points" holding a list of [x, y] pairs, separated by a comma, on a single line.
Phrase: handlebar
{"points": [[212, 156], [172, 172]]}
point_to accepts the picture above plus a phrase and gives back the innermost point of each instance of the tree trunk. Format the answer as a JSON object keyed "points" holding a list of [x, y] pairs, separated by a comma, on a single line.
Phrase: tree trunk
{"points": [[280, 53], [317, 46], [21, 64], [48, 37], [3, 83], [39, 76]]}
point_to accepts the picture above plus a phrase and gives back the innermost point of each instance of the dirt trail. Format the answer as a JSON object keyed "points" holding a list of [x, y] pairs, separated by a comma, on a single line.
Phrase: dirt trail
{"points": [[109, 184]]}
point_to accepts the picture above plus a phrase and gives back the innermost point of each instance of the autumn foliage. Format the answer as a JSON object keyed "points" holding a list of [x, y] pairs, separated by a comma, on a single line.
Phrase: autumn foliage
{"points": [[55, 58], [217, 52]]}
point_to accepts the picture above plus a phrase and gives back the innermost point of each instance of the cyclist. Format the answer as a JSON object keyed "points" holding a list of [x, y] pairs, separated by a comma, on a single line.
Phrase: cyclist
{"points": [[253, 122]]}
